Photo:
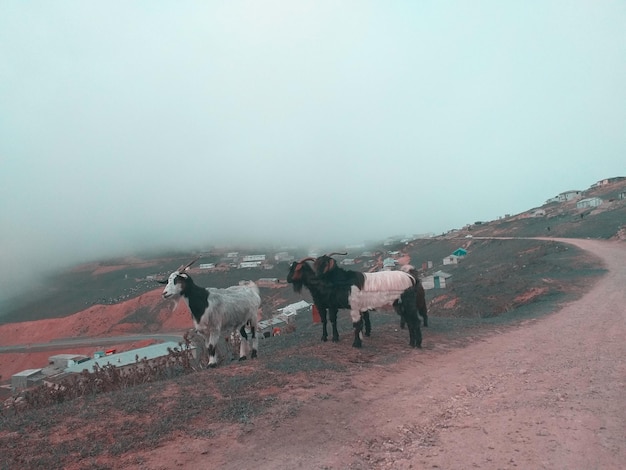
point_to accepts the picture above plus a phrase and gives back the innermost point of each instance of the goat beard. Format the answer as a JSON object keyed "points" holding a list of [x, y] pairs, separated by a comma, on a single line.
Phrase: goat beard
{"points": [[297, 286], [174, 301]]}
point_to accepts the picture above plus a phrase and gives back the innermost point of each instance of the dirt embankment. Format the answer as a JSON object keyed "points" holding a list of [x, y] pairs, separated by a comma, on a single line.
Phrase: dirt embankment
{"points": [[547, 393]]}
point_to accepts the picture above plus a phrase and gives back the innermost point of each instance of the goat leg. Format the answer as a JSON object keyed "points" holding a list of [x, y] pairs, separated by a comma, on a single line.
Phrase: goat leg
{"points": [[255, 343], [358, 326], [243, 348], [211, 348], [333, 322], [323, 317], [366, 320]]}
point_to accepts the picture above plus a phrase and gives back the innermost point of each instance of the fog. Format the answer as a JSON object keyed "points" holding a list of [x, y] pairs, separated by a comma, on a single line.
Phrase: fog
{"points": [[129, 126]]}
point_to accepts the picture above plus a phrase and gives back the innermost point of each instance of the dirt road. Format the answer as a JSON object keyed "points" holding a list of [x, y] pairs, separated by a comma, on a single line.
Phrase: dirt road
{"points": [[548, 393]]}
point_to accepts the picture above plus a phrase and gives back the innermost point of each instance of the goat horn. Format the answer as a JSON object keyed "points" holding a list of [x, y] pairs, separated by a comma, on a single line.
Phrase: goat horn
{"points": [[306, 259], [336, 253], [184, 268]]}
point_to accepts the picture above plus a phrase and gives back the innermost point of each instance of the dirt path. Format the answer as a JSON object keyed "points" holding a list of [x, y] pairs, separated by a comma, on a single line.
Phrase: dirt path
{"points": [[545, 394]]}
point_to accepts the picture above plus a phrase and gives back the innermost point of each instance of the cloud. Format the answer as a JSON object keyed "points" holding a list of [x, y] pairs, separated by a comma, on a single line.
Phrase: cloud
{"points": [[128, 127]]}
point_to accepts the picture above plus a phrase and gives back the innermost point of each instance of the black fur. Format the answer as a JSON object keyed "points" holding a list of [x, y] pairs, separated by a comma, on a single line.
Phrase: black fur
{"points": [[327, 297], [407, 306], [198, 296]]}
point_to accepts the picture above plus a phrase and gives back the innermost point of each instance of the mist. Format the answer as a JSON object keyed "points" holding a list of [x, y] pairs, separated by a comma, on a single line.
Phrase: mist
{"points": [[129, 127]]}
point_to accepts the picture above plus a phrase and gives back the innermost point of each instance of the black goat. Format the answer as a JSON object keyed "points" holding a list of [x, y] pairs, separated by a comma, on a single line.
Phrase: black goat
{"points": [[327, 297], [369, 291], [421, 295]]}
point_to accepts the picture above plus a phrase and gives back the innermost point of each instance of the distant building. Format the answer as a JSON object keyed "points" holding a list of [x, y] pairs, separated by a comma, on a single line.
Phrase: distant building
{"points": [[589, 202], [27, 378], [460, 252], [125, 359], [265, 328], [452, 259], [283, 256], [569, 195], [62, 361], [249, 258], [267, 281], [294, 309], [437, 280], [249, 264], [538, 213], [606, 181]]}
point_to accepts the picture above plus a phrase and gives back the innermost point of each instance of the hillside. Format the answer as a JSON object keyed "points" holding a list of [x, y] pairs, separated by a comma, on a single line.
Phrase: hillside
{"points": [[120, 296], [115, 281], [498, 285]]}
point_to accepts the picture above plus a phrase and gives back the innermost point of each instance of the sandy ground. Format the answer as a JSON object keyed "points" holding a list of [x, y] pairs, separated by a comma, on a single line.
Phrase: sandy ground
{"points": [[548, 393]]}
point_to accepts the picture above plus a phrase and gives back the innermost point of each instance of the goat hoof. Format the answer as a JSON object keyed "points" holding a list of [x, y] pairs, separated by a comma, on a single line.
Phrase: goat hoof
{"points": [[356, 345], [324, 339], [243, 358], [213, 365], [368, 333], [336, 339], [253, 355]]}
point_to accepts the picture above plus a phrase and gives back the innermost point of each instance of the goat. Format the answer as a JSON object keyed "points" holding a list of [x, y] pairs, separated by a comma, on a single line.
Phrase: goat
{"points": [[421, 295], [326, 298], [369, 291], [217, 310]]}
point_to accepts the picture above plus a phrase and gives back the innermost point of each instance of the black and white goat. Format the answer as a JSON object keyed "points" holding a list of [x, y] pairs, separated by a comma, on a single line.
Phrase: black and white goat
{"points": [[216, 311], [327, 298], [368, 291]]}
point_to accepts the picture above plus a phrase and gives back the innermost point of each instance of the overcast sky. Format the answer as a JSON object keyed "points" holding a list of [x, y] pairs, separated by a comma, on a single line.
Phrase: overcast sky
{"points": [[128, 125]]}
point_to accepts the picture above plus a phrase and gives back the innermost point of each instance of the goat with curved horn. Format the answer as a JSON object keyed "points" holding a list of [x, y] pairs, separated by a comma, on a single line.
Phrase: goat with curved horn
{"points": [[188, 265]]}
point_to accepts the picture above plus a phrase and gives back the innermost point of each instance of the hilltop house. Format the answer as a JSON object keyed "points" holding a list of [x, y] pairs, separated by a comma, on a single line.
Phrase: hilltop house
{"points": [[606, 181], [589, 202], [436, 281]]}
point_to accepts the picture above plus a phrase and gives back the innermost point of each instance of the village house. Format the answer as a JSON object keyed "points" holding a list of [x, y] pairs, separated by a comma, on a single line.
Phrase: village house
{"points": [[437, 280], [125, 360], [589, 202]]}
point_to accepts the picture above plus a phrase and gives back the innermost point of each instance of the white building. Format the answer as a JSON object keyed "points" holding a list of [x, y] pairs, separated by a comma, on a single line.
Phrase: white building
{"points": [[26, 378], [248, 258], [451, 259], [538, 213], [569, 195], [589, 202], [249, 264], [127, 358]]}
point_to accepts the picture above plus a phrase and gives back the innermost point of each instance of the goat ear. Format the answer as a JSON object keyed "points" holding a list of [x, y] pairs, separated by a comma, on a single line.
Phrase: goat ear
{"points": [[161, 282], [331, 265]]}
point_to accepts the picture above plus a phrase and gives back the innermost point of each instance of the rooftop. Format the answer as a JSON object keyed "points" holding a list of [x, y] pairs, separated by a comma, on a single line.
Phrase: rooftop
{"points": [[126, 358]]}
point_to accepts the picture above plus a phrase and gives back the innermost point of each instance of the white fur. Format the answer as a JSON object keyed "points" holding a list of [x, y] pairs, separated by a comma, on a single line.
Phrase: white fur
{"points": [[381, 289]]}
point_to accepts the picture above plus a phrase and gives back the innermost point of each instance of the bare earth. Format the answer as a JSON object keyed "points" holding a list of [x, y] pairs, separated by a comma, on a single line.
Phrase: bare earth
{"points": [[548, 393]]}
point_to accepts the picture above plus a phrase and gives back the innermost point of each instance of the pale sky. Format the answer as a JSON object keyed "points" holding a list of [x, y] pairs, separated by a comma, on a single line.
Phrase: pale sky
{"points": [[133, 125]]}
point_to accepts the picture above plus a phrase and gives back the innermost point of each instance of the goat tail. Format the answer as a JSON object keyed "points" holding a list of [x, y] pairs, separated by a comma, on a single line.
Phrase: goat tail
{"points": [[252, 285]]}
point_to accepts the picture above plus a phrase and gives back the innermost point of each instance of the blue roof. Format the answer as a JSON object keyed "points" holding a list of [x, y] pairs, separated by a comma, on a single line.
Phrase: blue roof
{"points": [[126, 358]]}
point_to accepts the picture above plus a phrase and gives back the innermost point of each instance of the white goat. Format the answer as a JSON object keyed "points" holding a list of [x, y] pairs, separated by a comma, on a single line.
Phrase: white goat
{"points": [[218, 310]]}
